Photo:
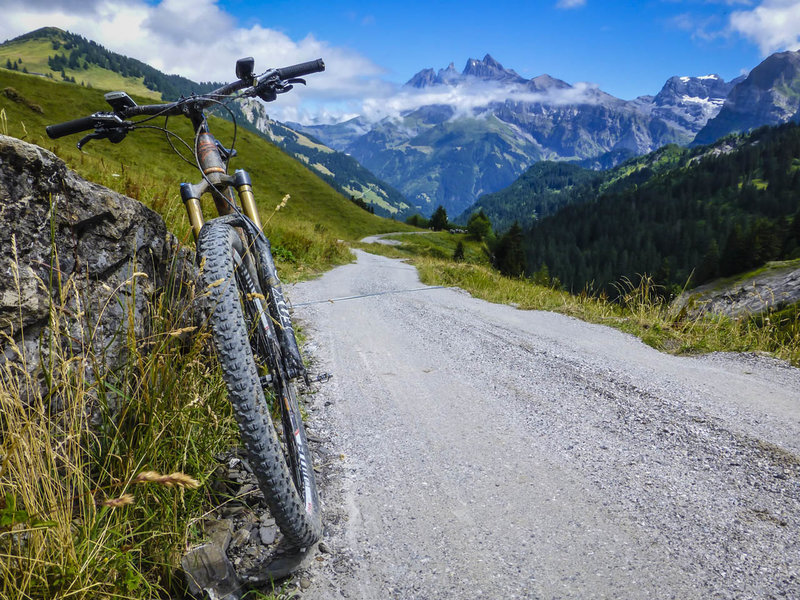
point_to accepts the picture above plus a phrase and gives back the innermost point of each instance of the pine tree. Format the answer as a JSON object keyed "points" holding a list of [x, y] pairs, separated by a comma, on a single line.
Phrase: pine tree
{"points": [[458, 254], [735, 257], [439, 219], [509, 256], [709, 266], [479, 226]]}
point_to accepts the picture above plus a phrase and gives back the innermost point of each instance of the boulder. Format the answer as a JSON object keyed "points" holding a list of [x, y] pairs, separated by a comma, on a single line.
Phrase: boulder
{"points": [[75, 257], [771, 288]]}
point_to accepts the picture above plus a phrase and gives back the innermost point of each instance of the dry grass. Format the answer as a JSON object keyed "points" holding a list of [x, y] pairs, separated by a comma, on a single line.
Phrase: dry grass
{"points": [[84, 510]]}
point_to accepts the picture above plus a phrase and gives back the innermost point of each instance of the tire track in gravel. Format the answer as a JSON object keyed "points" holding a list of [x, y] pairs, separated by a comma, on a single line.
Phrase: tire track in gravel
{"points": [[492, 452]]}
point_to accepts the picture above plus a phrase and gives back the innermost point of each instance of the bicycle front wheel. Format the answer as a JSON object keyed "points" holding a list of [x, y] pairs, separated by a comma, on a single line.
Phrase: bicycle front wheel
{"points": [[247, 347]]}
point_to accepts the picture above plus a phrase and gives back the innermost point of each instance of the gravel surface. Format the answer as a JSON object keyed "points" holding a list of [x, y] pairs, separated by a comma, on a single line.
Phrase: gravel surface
{"points": [[479, 451]]}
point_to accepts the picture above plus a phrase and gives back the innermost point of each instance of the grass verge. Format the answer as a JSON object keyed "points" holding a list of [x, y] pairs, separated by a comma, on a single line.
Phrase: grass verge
{"points": [[640, 310]]}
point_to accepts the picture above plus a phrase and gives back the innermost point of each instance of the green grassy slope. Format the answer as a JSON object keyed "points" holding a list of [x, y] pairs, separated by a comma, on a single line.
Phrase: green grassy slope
{"points": [[143, 166], [33, 54]]}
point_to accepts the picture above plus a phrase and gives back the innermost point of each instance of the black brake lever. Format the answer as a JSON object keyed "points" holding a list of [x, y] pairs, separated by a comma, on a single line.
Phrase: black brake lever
{"points": [[88, 138], [296, 80], [114, 134]]}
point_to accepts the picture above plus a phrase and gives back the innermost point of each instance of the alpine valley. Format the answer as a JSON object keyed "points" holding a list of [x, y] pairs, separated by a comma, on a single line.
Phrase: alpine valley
{"points": [[460, 135]]}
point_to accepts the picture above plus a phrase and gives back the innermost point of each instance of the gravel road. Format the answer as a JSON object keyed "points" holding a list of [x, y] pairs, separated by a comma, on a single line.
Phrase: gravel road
{"points": [[478, 451]]}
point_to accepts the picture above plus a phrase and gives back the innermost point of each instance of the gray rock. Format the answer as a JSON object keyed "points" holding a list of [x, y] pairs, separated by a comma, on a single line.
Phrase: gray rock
{"points": [[209, 572], [68, 243], [220, 532], [267, 534], [241, 538], [770, 288]]}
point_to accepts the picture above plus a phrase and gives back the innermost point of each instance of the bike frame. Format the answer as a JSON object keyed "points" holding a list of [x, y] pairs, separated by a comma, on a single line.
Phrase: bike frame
{"points": [[218, 183], [216, 180]]}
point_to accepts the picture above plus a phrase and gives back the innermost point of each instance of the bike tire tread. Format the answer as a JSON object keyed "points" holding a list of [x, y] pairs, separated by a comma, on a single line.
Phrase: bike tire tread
{"points": [[216, 245]]}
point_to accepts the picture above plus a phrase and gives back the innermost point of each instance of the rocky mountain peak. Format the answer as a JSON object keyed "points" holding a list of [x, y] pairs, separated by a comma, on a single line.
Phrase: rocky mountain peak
{"points": [[544, 83], [769, 95], [489, 68], [779, 68], [423, 79], [706, 87]]}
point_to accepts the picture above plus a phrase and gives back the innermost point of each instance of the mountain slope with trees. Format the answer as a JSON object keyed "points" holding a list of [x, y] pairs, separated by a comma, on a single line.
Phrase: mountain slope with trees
{"points": [[548, 186], [59, 54], [723, 210]]}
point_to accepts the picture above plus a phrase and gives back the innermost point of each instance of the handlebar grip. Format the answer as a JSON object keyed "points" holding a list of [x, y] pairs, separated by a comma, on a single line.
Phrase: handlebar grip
{"points": [[312, 66], [61, 129]]}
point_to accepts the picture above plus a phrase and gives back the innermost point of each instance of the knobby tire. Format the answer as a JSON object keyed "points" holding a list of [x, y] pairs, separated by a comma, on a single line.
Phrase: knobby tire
{"points": [[284, 470]]}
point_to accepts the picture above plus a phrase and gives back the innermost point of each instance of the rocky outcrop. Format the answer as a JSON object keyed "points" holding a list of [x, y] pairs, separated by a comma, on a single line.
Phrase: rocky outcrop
{"points": [[771, 289], [78, 263]]}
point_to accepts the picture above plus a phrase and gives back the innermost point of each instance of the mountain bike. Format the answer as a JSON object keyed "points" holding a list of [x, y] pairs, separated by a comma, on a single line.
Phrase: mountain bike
{"points": [[250, 322]]}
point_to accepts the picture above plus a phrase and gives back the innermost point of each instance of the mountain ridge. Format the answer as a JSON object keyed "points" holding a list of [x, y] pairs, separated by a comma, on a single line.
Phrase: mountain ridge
{"points": [[449, 154], [769, 95]]}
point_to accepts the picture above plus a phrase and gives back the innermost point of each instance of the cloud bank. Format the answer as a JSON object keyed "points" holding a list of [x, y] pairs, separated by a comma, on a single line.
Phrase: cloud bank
{"points": [[199, 40], [773, 26], [472, 96]]}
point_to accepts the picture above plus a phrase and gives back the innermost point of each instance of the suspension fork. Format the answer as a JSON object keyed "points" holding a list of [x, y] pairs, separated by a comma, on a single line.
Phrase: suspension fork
{"points": [[240, 181]]}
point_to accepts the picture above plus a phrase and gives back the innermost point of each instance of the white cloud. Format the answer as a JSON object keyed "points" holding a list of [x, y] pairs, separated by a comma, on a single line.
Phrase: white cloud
{"points": [[197, 39], [472, 97], [567, 4], [774, 25]]}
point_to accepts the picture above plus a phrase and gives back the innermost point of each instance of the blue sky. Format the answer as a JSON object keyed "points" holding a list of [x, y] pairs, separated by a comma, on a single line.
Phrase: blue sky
{"points": [[628, 48], [625, 48]]}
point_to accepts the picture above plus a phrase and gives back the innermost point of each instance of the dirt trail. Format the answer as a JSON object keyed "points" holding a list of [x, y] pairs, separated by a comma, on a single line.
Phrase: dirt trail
{"points": [[488, 452]]}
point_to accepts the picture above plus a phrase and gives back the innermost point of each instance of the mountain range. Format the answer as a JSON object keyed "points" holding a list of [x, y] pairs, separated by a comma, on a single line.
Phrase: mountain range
{"points": [[476, 131], [461, 135]]}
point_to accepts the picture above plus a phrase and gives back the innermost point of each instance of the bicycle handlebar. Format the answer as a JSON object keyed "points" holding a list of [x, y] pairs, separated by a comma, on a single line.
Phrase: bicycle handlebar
{"points": [[269, 81], [76, 126], [298, 70]]}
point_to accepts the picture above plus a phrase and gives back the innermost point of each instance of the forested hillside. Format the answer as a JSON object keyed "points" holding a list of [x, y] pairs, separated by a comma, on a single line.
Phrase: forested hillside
{"points": [[63, 55], [721, 211], [548, 186]]}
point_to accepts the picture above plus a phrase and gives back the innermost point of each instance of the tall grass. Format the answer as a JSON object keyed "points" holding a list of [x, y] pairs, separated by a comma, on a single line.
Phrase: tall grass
{"points": [[84, 511]]}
